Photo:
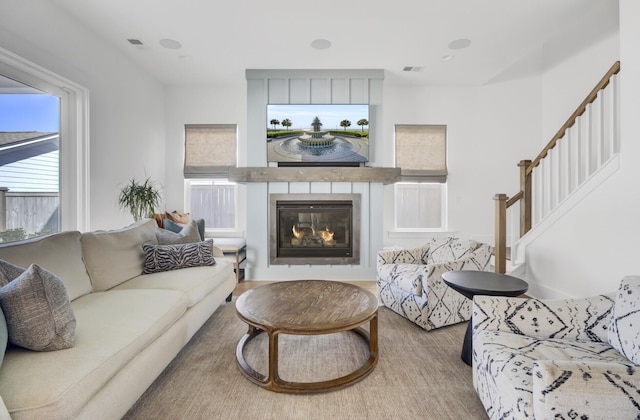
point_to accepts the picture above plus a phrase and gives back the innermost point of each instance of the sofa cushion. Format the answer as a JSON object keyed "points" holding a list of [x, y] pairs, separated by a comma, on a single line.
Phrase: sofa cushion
{"points": [[172, 257], [60, 254], [177, 227], [624, 329], [37, 310], [113, 257], [112, 328], [195, 282], [450, 249], [186, 234]]}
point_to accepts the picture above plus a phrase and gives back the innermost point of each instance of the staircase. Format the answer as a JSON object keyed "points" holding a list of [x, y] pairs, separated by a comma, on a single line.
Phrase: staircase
{"points": [[581, 155]]}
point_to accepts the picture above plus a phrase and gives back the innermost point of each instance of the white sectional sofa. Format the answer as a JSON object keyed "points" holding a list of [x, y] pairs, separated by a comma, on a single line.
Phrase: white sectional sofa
{"points": [[129, 325]]}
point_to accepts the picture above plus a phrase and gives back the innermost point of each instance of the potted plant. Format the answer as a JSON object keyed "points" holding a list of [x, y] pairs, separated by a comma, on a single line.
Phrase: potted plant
{"points": [[141, 199]]}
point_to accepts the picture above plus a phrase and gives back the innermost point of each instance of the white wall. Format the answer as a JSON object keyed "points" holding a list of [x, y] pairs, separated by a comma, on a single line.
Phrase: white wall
{"points": [[127, 133], [489, 130], [200, 105], [596, 242]]}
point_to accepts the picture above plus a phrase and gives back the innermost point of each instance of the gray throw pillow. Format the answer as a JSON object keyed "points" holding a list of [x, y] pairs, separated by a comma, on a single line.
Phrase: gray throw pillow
{"points": [[8, 272], [38, 312], [171, 257], [177, 227], [187, 234], [624, 334]]}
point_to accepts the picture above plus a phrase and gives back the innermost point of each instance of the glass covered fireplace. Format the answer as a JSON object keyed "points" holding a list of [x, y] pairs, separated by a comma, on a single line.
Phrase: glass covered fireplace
{"points": [[315, 229]]}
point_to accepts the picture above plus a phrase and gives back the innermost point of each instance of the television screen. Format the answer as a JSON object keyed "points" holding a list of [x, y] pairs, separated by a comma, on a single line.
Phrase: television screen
{"points": [[318, 133]]}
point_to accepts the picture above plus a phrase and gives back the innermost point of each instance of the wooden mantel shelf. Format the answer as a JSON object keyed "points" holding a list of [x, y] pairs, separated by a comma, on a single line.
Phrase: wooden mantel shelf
{"points": [[314, 174]]}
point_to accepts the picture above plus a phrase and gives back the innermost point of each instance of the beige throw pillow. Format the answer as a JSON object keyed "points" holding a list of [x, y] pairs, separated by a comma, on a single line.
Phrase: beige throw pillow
{"points": [[115, 256], [38, 312], [182, 218]]}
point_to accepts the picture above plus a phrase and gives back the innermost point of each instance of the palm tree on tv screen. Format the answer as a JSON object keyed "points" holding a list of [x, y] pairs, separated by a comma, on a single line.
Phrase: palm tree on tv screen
{"points": [[274, 123], [362, 123], [286, 123], [345, 124]]}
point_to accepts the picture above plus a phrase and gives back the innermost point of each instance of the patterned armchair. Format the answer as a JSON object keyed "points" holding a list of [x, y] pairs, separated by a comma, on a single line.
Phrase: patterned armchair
{"points": [[409, 281], [575, 358]]}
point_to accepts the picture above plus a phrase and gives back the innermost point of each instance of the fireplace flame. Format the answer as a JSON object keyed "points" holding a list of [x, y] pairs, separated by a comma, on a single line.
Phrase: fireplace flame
{"points": [[297, 233], [326, 234]]}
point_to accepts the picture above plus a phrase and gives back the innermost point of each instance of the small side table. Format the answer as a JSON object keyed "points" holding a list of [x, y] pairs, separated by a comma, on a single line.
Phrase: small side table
{"points": [[234, 249], [471, 283]]}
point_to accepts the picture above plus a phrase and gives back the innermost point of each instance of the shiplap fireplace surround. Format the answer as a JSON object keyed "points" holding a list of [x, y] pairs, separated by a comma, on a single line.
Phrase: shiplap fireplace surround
{"points": [[263, 179]]}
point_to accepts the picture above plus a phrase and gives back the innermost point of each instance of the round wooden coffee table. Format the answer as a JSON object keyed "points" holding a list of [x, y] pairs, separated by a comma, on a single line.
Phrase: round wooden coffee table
{"points": [[306, 307], [471, 283]]}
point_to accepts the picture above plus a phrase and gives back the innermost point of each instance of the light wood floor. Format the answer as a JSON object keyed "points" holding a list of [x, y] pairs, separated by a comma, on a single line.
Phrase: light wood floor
{"points": [[245, 285]]}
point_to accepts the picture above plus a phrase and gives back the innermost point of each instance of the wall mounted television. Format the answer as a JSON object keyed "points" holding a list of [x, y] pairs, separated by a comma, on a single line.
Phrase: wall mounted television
{"points": [[311, 134]]}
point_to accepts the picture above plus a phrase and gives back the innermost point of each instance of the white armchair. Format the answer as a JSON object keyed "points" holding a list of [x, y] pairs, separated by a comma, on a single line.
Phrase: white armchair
{"points": [[409, 281], [575, 358]]}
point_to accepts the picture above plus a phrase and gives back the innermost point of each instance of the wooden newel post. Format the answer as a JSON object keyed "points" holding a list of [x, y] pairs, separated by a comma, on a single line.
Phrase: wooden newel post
{"points": [[500, 249], [525, 205]]}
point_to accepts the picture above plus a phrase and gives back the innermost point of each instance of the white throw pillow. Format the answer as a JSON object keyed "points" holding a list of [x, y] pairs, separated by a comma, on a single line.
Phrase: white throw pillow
{"points": [[624, 329]]}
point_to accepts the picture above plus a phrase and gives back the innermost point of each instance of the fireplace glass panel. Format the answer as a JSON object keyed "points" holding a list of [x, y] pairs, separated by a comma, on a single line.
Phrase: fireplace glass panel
{"points": [[314, 228]]}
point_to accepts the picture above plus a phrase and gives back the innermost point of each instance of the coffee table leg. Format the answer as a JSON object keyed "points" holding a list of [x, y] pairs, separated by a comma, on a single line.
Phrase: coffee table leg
{"points": [[273, 359], [467, 345], [373, 338]]}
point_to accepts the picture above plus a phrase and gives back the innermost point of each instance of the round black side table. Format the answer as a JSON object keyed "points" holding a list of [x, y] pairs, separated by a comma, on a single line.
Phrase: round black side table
{"points": [[471, 283]]}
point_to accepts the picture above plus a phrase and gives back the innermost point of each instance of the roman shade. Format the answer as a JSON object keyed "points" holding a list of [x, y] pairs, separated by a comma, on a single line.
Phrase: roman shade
{"points": [[421, 152], [210, 150]]}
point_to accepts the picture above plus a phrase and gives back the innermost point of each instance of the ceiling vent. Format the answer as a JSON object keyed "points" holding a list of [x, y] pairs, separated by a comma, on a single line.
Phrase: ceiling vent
{"points": [[134, 41], [412, 68]]}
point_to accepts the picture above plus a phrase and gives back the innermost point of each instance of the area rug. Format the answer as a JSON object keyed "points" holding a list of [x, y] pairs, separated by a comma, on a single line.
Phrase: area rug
{"points": [[419, 376]]}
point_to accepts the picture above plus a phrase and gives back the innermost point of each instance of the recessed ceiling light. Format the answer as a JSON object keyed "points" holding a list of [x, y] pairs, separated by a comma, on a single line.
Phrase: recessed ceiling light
{"points": [[134, 41], [447, 57], [459, 44], [320, 44], [171, 44]]}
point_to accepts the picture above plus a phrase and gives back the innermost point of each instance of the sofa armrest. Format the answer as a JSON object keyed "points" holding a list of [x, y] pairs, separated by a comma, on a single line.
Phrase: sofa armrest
{"points": [[585, 319], [217, 252], [569, 389]]}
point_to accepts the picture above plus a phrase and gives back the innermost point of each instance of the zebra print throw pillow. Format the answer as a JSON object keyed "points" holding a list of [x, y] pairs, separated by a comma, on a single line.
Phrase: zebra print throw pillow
{"points": [[172, 257]]}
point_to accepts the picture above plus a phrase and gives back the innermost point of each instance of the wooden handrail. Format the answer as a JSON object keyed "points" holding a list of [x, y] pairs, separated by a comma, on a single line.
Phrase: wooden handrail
{"points": [[503, 202], [513, 200], [615, 69]]}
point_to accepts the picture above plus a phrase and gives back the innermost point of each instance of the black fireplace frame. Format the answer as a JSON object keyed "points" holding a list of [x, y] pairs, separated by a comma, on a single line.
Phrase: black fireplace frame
{"points": [[315, 256]]}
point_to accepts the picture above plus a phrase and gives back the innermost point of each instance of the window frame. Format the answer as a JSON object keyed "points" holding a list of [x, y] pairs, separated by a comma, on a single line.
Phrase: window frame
{"points": [[74, 135]]}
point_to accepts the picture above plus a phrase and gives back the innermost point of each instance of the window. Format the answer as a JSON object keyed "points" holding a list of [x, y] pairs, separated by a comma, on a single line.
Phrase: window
{"points": [[210, 150], [45, 173], [420, 206], [215, 201], [420, 199]]}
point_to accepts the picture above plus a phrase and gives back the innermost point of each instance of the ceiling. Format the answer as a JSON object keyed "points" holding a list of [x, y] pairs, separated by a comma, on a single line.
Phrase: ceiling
{"points": [[220, 39]]}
